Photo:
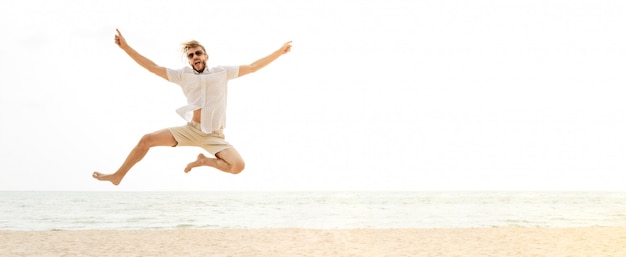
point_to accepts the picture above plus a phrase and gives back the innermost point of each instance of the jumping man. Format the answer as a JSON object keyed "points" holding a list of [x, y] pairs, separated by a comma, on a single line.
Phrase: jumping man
{"points": [[205, 89]]}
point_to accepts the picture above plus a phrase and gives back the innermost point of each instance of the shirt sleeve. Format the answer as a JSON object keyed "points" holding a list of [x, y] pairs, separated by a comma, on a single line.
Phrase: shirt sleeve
{"points": [[232, 72], [175, 76]]}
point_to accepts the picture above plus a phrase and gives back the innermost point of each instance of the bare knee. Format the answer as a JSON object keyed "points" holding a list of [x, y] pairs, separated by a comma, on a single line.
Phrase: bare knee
{"points": [[146, 141], [159, 138], [231, 157], [237, 167]]}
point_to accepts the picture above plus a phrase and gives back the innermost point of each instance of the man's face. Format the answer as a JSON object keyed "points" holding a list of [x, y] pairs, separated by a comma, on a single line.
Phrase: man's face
{"points": [[197, 58]]}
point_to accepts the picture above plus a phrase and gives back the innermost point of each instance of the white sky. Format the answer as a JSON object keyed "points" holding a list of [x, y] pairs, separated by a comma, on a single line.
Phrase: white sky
{"points": [[375, 95]]}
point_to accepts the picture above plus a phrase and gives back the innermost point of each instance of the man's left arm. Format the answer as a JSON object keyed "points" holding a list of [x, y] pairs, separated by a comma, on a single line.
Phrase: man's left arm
{"points": [[257, 65]]}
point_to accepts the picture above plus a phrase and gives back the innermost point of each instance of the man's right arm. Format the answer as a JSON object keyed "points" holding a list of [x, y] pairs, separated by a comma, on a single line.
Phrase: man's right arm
{"points": [[140, 59]]}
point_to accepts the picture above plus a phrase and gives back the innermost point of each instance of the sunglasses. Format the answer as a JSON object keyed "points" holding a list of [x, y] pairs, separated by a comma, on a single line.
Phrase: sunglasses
{"points": [[198, 53]]}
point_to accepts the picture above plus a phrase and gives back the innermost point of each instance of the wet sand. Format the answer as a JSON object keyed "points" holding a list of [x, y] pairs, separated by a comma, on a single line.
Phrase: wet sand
{"points": [[553, 242]]}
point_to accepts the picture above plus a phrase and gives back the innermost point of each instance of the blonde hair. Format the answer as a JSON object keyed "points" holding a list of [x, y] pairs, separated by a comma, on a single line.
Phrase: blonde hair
{"points": [[191, 44]]}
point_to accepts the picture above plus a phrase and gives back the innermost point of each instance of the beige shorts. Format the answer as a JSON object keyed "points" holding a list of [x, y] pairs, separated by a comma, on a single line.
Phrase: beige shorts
{"points": [[191, 135]]}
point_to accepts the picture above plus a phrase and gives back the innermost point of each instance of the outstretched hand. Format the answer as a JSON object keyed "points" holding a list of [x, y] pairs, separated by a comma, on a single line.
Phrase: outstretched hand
{"points": [[285, 48], [119, 39]]}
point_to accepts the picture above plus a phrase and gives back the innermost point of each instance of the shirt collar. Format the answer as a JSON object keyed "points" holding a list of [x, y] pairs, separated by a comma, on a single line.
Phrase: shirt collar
{"points": [[206, 70]]}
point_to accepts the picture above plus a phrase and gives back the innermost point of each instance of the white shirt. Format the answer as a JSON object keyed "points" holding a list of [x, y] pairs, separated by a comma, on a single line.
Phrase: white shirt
{"points": [[206, 91]]}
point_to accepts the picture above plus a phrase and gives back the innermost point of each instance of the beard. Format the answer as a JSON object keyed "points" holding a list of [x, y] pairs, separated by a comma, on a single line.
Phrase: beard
{"points": [[202, 65]]}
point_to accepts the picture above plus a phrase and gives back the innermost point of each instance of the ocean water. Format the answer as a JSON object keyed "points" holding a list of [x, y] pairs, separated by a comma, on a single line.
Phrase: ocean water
{"points": [[36, 211]]}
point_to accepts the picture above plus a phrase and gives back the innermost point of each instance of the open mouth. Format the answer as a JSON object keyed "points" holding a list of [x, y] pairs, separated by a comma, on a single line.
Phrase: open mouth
{"points": [[197, 65]]}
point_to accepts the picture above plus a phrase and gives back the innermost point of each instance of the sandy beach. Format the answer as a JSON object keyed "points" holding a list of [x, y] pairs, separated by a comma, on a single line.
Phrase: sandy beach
{"points": [[553, 242]]}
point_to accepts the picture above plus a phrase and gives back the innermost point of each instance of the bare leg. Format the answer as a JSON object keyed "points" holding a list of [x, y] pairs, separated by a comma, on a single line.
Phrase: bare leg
{"points": [[159, 138], [227, 160]]}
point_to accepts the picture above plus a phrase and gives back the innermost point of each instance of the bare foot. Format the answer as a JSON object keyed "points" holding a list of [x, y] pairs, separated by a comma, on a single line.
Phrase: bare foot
{"points": [[198, 162], [107, 177]]}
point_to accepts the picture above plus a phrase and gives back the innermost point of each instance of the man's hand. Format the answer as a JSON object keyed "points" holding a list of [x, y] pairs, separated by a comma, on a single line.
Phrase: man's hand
{"points": [[140, 59], [119, 39], [260, 63], [285, 48]]}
